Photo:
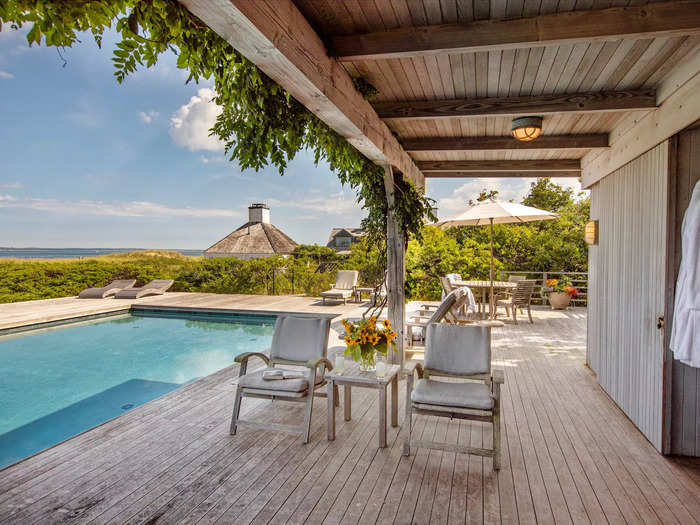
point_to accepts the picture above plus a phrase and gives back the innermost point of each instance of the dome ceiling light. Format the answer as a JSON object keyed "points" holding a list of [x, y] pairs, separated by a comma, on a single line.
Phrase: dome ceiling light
{"points": [[527, 128]]}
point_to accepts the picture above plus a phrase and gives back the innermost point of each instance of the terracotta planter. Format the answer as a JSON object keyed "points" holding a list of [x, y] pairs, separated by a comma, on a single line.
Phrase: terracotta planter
{"points": [[559, 300]]}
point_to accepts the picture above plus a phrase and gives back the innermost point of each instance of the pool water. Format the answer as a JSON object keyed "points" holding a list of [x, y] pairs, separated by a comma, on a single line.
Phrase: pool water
{"points": [[58, 382]]}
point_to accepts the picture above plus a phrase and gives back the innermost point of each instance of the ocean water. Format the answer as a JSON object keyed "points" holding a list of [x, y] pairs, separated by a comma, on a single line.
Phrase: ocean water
{"points": [[59, 382], [74, 253]]}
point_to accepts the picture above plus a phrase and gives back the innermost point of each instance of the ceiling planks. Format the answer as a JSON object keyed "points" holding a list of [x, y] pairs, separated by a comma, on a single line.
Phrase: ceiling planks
{"points": [[665, 19]]}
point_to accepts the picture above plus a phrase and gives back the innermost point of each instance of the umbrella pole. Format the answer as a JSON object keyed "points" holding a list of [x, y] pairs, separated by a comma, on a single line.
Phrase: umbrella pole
{"points": [[492, 310]]}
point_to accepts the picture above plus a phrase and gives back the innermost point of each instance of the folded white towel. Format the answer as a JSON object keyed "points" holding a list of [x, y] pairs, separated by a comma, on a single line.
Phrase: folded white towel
{"points": [[274, 374]]}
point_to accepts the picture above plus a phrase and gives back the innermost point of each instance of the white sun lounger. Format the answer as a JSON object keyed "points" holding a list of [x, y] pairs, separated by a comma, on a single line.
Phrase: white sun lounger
{"points": [[344, 287], [156, 287], [106, 291]]}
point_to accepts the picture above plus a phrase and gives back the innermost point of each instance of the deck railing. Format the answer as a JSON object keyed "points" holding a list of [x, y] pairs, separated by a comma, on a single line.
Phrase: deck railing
{"points": [[578, 279]]}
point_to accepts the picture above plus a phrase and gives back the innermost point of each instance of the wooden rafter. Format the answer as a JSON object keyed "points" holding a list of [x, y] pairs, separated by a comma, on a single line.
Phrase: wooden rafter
{"points": [[481, 166], [548, 142], [499, 174], [275, 36], [539, 105], [647, 21]]}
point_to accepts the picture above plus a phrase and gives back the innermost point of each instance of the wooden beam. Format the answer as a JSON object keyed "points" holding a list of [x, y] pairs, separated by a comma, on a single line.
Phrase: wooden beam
{"points": [[396, 274], [548, 142], [666, 19], [431, 166], [632, 137], [275, 36], [500, 174], [539, 105]]}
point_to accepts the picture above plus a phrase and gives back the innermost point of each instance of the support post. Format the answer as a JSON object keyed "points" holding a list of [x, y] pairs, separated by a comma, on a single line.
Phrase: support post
{"points": [[395, 264]]}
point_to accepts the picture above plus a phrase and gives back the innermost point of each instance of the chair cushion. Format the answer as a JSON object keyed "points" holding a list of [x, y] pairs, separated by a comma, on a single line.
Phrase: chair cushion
{"points": [[346, 279], [299, 339], [334, 292], [458, 349], [255, 380], [462, 395]]}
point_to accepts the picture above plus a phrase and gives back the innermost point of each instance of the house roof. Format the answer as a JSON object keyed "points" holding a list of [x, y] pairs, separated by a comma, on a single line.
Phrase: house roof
{"points": [[254, 238], [352, 232]]}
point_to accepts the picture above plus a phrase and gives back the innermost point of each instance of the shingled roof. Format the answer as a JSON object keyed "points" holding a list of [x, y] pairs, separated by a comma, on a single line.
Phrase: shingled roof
{"points": [[254, 238]]}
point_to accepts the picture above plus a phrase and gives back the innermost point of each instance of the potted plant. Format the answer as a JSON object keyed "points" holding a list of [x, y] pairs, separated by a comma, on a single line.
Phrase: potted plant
{"points": [[559, 292], [364, 339]]}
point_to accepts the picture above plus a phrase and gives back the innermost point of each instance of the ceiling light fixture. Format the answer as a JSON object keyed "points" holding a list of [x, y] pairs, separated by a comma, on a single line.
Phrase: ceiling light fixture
{"points": [[527, 128]]}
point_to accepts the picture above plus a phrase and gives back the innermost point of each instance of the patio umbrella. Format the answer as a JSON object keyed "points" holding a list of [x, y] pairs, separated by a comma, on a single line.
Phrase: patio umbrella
{"points": [[495, 212]]}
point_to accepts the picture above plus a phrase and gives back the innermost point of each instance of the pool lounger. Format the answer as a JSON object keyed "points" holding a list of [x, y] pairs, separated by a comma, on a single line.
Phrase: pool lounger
{"points": [[106, 291], [157, 287]]}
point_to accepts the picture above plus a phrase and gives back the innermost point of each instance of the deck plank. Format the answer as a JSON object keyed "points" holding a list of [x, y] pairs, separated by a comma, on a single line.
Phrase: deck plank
{"points": [[569, 454]]}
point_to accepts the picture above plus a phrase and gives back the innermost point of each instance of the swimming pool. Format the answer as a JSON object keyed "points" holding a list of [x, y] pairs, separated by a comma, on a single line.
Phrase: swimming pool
{"points": [[58, 382]]}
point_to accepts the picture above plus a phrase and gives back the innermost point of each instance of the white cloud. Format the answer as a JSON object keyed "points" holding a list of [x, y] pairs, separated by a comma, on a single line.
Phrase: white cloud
{"points": [[16, 185], [5, 74], [212, 159], [508, 189], [149, 116], [190, 125], [113, 209], [336, 204]]}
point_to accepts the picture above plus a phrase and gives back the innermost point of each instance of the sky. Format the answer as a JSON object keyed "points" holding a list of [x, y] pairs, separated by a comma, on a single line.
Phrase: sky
{"points": [[87, 162]]}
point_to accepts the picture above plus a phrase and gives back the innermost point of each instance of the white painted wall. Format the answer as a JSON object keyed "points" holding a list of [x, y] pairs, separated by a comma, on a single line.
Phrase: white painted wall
{"points": [[627, 285]]}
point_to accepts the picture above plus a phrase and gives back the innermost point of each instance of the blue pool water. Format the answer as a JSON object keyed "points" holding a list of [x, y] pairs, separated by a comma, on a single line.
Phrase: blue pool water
{"points": [[58, 382]]}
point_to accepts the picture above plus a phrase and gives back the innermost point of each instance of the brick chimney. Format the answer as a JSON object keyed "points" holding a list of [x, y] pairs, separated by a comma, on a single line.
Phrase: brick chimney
{"points": [[259, 212]]}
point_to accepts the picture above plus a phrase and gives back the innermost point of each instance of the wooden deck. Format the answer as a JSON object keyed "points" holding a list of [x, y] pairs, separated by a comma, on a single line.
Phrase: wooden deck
{"points": [[569, 456], [14, 315]]}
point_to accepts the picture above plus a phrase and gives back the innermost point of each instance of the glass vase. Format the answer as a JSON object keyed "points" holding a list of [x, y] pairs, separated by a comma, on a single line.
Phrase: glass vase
{"points": [[367, 363]]}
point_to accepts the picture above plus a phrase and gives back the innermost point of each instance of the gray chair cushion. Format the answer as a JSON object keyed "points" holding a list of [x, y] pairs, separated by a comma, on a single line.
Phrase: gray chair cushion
{"points": [[461, 395], [346, 279], [255, 380], [457, 349], [300, 338], [334, 292]]}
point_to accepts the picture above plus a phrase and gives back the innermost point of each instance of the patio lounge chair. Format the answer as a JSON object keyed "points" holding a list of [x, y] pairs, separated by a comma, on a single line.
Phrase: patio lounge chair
{"points": [[445, 310], [344, 286], [106, 291], [156, 287], [457, 352], [522, 295], [296, 341]]}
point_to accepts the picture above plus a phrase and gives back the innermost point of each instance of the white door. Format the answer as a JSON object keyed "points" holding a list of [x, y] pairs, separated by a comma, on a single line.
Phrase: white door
{"points": [[627, 288]]}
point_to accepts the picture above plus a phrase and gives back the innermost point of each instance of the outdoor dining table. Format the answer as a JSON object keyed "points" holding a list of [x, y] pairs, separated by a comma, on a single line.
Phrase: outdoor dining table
{"points": [[482, 288]]}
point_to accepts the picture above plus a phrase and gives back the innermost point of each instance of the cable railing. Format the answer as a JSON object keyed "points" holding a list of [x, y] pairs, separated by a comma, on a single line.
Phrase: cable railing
{"points": [[579, 280]]}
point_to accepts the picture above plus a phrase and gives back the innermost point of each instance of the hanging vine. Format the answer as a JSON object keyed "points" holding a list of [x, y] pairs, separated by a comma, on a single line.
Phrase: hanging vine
{"points": [[261, 124]]}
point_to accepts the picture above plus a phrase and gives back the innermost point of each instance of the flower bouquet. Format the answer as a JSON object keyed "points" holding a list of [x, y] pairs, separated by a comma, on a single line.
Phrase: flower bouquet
{"points": [[559, 292], [365, 338]]}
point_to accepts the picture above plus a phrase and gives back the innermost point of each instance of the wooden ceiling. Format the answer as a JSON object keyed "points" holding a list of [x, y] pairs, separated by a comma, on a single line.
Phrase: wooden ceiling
{"points": [[487, 78]]}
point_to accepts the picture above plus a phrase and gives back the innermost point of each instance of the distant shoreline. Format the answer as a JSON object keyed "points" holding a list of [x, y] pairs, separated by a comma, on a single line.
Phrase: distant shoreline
{"points": [[77, 253]]}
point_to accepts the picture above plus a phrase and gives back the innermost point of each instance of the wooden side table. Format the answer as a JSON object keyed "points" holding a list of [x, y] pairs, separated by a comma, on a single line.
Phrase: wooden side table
{"points": [[353, 376], [360, 290]]}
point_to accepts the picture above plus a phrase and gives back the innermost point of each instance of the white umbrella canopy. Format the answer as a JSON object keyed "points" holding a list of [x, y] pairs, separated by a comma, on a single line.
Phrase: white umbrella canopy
{"points": [[495, 212], [499, 212]]}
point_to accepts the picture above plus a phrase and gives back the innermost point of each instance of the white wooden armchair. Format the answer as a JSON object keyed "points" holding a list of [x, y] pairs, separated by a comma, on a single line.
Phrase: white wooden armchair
{"points": [[297, 341], [464, 353]]}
